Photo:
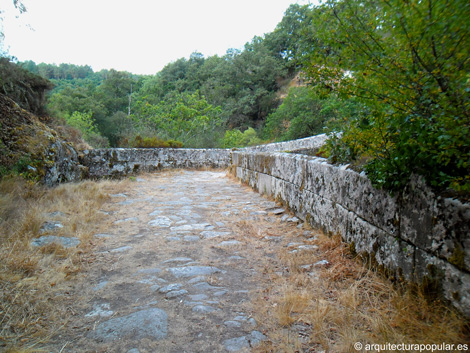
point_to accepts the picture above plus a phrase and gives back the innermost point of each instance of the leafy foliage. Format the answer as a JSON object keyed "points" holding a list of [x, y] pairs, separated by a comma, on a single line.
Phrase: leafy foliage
{"points": [[151, 142], [182, 117], [388, 79], [293, 37], [236, 138], [408, 61], [304, 112], [86, 124], [242, 83]]}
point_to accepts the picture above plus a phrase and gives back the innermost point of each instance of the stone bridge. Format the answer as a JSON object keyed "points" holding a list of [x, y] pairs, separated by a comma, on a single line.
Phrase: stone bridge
{"points": [[416, 236]]}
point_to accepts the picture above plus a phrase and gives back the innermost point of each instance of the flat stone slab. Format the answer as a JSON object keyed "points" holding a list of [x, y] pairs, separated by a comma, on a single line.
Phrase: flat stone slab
{"points": [[204, 286], [53, 239], [208, 234], [220, 293], [50, 226], [151, 323], [203, 309], [103, 235], [196, 226], [118, 195], [192, 271], [127, 202], [230, 243], [236, 257], [258, 213], [131, 219], [171, 287], [198, 297], [161, 221], [103, 310], [176, 293], [100, 285], [121, 249], [238, 343], [303, 248], [233, 323], [197, 279], [178, 259], [277, 211], [173, 238], [191, 238]]}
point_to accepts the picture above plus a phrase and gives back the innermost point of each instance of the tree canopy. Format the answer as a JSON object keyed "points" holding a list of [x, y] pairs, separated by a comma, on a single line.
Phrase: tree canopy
{"points": [[388, 80], [408, 61]]}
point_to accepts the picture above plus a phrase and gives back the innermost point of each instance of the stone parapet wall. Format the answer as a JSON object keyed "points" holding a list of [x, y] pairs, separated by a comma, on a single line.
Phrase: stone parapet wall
{"points": [[308, 143], [417, 236], [118, 162]]}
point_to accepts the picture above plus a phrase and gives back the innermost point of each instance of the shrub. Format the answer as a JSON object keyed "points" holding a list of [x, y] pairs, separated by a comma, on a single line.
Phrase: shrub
{"points": [[236, 138], [408, 62], [150, 142]]}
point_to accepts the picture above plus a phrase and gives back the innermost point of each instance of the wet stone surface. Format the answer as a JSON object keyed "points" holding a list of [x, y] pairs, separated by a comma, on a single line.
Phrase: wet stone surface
{"points": [[172, 272]]}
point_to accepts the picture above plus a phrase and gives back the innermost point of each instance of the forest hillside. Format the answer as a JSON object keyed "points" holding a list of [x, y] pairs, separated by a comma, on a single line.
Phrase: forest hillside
{"points": [[388, 81]]}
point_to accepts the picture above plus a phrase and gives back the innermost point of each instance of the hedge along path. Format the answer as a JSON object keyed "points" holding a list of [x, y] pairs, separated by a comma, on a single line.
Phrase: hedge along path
{"points": [[178, 263]]}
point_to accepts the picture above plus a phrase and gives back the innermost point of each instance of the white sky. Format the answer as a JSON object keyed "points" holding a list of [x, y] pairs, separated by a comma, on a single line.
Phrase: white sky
{"points": [[139, 36]]}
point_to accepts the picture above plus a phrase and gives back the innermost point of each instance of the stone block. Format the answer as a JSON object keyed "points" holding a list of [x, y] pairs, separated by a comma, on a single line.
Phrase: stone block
{"points": [[451, 232], [445, 278]]}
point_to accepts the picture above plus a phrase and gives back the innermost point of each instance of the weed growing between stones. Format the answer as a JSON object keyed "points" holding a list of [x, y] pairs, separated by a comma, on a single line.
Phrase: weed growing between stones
{"points": [[35, 280]]}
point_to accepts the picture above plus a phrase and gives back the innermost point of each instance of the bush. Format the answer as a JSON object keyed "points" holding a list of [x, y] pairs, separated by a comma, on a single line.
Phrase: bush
{"points": [[236, 138], [408, 62], [85, 123], [150, 142], [305, 112]]}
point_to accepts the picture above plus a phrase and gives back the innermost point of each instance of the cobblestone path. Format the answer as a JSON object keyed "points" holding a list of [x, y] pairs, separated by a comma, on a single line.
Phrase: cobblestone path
{"points": [[177, 264]]}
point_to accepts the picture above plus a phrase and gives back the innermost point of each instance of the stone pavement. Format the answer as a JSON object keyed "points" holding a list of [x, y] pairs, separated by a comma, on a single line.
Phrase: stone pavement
{"points": [[177, 263]]}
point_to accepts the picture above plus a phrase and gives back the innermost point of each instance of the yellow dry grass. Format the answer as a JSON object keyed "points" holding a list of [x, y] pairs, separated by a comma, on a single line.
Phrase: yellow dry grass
{"points": [[328, 308], [35, 281]]}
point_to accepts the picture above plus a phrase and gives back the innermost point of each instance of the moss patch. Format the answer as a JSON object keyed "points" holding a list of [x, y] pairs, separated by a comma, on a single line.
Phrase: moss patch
{"points": [[458, 257]]}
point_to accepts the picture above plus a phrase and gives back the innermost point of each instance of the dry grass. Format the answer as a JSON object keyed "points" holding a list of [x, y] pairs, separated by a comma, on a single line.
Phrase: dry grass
{"points": [[35, 281], [328, 308]]}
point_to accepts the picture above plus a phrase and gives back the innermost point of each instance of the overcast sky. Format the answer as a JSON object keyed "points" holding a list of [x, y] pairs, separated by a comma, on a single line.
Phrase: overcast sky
{"points": [[139, 36]]}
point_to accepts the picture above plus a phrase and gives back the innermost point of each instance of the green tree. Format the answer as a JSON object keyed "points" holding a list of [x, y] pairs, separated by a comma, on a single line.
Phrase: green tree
{"points": [[244, 83], [185, 117], [73, 98], [114, 91], [236, 138], [305, 113], [292, 38], [85, 123], [409, 62]]}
